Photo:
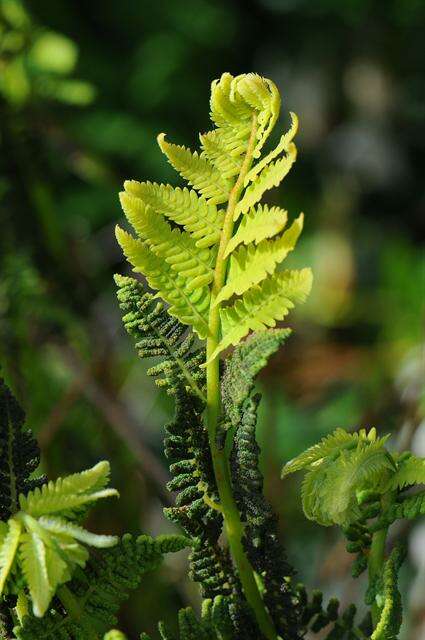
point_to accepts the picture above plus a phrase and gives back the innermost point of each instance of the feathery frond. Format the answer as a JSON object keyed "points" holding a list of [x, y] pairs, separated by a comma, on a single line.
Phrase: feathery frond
{"points": [[198, 217], [410, 471], [94, 595], [260, 223], [241, 369], [181, 262], [262, 305], [189, 305], [45, 548], [391, 616], [250, 265], [161, 337]]}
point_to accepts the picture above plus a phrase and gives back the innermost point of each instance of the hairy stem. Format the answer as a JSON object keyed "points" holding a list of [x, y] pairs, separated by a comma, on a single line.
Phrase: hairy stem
{"points": [[233, 525]]}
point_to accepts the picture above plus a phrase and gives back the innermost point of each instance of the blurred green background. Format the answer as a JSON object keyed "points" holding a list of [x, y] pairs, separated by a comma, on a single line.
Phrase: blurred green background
{"points": [[84, 89]]}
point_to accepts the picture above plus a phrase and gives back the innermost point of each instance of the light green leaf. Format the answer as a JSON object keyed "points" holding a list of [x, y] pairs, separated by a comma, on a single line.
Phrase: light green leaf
{"points": [[250, 265], [8, 550], [34, 567], [259, 224]]}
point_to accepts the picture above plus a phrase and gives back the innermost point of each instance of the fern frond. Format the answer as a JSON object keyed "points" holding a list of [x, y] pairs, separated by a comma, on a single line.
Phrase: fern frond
{"points": [[260, 223], [250, 265], [97, 593], [334, 443], [19, 454], [409, 507], [67, 494], [197, 170], [188, 305], [214, 144], [261, 537], [160, 336], [271, 176], [390, 621], [177, 248], [332, 484], [262, 305], [282, 146], [200, 218], [241, 369], [410, 471]]}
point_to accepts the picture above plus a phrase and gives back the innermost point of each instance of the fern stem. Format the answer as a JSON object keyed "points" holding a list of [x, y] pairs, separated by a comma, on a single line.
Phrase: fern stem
{"points": [[233, 525]]}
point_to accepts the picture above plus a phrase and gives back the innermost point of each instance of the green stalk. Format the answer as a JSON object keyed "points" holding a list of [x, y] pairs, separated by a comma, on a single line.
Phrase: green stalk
{"points": [[233, 525]]}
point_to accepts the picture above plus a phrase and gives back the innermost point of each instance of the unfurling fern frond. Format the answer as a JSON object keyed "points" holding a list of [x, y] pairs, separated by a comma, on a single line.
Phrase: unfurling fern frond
{"points": [[46, 548], [183, 262], [89, 603], [338, 470], [19, 454]]}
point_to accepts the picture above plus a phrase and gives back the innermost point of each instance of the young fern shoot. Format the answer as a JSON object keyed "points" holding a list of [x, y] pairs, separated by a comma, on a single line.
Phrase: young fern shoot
{"points": [[216, 264]]}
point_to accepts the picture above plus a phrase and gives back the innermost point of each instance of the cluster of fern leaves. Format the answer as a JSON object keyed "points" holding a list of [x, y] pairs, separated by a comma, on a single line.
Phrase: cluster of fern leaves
{"points": [[210, 255]]}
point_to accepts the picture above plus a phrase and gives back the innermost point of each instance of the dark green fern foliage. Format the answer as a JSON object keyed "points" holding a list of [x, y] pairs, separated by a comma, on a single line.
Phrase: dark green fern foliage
{"points": [[99, 590], [158, 335], [342, 626], [261, 537], [19, 454], [186, 448]]}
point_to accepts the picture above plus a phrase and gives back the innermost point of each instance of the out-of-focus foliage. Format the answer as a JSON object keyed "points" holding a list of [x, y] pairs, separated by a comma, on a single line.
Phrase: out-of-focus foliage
{"points": [[84, 87]]}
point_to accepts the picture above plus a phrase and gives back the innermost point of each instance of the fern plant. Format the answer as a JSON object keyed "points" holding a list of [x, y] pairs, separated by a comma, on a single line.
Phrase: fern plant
{"points": [[211, 255]]}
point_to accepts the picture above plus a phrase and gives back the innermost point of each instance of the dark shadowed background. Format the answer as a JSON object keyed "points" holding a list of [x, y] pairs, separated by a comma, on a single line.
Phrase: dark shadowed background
{"points": [[84, 89]]}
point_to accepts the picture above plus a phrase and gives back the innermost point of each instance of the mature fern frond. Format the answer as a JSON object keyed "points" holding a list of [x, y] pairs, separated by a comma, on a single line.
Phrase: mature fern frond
{"points": [[188, 305], [94, 595], [262, 305], [242, 367], [197, 170], [47, 548], [200, 218], [19, 454], [410, 471], [162, 337], [261, 537], [250, 265], [260, 223]]}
